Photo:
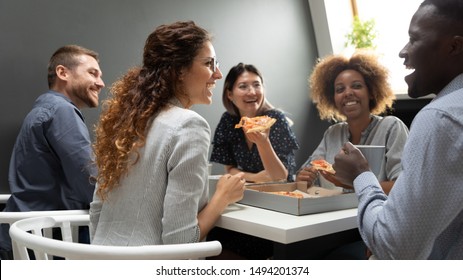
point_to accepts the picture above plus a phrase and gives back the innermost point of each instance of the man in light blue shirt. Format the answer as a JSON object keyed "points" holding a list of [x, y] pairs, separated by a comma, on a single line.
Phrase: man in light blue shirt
{"points": [[422, 218], [51, 164]]}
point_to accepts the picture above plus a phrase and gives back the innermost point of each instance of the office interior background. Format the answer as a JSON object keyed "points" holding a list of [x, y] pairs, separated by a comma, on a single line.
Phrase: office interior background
{"points": [[277, 36]]}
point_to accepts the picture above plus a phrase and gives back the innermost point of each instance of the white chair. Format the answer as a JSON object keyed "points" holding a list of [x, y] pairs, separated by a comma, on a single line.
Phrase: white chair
{"points": [[27, 234], [12, 217], [4, 198]]}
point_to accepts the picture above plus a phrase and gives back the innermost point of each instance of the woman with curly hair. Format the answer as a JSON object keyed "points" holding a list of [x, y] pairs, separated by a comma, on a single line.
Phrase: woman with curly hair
{"points": [[354, 92], [151, 150]]}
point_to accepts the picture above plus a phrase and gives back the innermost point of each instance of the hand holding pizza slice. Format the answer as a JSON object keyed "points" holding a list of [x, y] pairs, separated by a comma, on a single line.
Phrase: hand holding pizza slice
{"points": [[328, 172], [256, 124]]}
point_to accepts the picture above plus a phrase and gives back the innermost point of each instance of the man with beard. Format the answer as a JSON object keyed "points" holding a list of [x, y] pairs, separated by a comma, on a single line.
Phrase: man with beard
{"points": [[422, 218], [51, 164]]}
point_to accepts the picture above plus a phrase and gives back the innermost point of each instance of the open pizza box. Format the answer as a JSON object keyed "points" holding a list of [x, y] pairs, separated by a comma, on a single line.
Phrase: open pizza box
{"points": [[315, 199]]}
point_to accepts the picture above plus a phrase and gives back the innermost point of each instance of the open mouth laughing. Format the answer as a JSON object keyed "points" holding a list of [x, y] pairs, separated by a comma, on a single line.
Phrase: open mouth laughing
{"points": [[350, 103], [210, 86], [250, 101]]}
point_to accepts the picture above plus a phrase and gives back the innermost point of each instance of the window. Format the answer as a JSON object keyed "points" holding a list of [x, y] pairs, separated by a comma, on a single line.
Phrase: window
{"points": [[332, 20]]}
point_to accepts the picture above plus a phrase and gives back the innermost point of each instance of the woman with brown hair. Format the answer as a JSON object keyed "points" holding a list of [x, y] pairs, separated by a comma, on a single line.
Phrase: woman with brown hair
{"points": [[262, 156], [354, 92], [151, 149]]}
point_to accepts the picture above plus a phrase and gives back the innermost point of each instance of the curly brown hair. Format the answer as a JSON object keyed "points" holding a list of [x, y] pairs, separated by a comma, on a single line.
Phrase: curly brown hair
{"points": [[137, 97], [376, 78]]}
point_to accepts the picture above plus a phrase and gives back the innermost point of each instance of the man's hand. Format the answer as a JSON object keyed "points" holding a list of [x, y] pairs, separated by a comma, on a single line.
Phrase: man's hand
{"points": [[332, 178], [349, 163]]}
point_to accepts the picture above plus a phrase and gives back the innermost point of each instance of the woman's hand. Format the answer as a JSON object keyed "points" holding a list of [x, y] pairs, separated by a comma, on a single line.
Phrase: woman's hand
{"points": [[308, 174], [258, 177], [230, 188], [258, 137], [273, 166]]}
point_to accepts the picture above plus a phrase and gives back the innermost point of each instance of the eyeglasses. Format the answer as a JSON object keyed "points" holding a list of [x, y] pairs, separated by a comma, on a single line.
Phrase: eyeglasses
{"points": [[247, 87], [212, 63]]}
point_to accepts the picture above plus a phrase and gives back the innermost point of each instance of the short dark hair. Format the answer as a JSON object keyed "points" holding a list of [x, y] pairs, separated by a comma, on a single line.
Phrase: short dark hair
{"points": [[450, 9], [66, 56]]}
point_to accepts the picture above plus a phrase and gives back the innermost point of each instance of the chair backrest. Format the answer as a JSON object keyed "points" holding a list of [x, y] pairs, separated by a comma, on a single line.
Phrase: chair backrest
{"points": [[4, 198], [27, 234], [12, 217]]}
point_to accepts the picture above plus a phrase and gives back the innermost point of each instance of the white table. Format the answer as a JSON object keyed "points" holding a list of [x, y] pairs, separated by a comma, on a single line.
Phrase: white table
{"points": [[285, 228], [294, 237]]}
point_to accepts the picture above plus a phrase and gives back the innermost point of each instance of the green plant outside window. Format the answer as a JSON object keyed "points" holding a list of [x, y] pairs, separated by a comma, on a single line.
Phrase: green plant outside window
{"points": [[363, 34]]}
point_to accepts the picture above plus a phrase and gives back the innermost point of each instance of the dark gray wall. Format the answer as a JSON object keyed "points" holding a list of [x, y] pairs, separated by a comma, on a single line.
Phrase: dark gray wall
{"points": [[275, 35]]}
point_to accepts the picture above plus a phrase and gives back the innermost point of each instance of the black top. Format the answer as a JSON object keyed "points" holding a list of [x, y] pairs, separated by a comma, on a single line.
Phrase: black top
{"points": [[230, 148]]}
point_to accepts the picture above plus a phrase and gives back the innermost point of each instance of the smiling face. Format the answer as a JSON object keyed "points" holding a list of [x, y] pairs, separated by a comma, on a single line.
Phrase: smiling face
{"points": [[199, 80], [84, 82], [351, 95], [247, 94], [426, 53]]}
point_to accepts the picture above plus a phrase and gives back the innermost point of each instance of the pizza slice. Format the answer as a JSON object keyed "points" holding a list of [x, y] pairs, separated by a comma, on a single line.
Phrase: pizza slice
{"points": [[323, 165], [256, 124]]}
